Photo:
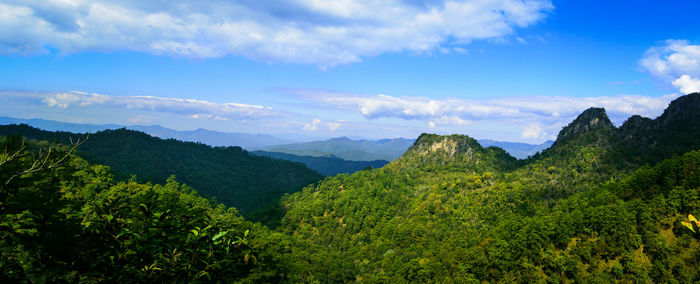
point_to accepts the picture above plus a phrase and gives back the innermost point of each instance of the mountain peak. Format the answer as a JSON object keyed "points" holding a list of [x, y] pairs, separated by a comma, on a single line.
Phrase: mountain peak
{"points": [[682, 108], [452, 144], [591, 119]]}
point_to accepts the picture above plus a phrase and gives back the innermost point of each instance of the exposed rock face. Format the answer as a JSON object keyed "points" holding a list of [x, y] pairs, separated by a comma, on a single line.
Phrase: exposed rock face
{"points": [[454, 152], [450, 145], [634, 125], [684, 108], [591, 119]]}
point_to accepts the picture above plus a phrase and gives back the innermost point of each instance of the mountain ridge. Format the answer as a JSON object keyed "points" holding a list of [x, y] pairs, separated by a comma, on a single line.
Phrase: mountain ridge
{"points": [[328, 166], [639, 140], [231, 174]]}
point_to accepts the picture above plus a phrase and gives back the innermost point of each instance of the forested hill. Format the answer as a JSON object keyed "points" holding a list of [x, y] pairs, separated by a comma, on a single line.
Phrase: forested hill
{"points": [[437, 153], [450, 210], [232, 175], [602, 205], [638, 141]]}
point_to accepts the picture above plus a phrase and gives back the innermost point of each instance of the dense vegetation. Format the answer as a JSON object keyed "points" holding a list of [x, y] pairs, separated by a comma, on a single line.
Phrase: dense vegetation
{"points": [[449, 210], [64, 220], [328, 166], [232, 175]]}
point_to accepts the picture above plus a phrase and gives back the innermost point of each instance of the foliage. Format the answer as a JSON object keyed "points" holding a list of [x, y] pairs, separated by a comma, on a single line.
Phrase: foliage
{"points": [[73, 223], [592, 208], [232, 175], [401, 223]]}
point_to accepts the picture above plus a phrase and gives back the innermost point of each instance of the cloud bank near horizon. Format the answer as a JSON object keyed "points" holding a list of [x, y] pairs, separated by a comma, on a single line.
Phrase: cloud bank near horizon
{"points": [[191, 108], [533, 118], [539, 117], [324, 33]]}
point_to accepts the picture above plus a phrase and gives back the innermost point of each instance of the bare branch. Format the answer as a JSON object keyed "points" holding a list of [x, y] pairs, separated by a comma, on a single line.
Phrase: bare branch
{"points": [[41, 161], [6, 158]]}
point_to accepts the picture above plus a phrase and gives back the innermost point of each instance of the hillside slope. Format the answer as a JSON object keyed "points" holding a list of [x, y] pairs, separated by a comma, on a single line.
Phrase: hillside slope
{"points": [[232, 175], [451, 210]]}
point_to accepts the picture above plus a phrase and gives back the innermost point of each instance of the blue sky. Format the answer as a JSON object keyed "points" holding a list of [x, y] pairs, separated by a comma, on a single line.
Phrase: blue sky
{"points": [[515, 70]]}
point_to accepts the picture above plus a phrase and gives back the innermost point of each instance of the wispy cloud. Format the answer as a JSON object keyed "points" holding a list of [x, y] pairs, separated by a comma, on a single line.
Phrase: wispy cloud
{"points": [[192, 108], [325, 33], [675, 62], [537, 116], [517, 107]]}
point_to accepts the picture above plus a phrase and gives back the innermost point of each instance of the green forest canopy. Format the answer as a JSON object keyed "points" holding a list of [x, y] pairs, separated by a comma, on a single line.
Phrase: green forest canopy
{"points": [[603, 204]]}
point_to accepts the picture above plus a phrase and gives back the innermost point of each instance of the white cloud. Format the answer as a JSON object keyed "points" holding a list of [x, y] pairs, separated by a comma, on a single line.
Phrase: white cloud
{"points": [[687, 84], [333, 126], [326, 33], [676, 62], [453, 111], [460, 50], [313, 126], [448, 120], [192, 108], [532, 131]]}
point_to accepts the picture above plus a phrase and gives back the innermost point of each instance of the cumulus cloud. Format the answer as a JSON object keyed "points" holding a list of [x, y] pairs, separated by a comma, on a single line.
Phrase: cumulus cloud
{"points": [[197, 109], [687, 84], [313, 126], [326, 33], [532, 131], [333, 126], [676, 62], [453, 111]]}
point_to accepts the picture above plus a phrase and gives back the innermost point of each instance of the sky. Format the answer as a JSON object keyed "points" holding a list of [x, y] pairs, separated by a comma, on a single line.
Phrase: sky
{"points": [[510, 70]]}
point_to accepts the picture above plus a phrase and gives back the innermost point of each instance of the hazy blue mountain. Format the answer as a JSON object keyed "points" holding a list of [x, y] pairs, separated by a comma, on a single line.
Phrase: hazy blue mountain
{"points": [[209, 137], [516, 149], [328, 166], [348, 149], [213, 138], [52, 125], [344, 148]]}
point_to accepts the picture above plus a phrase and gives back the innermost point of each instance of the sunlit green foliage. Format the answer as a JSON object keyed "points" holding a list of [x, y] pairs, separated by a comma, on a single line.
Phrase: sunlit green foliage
{"points": [[230, 174], [451, 211], [72, 223], [587, 210]]}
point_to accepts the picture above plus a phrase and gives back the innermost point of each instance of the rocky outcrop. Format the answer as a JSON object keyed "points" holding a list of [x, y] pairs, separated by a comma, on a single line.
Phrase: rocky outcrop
{"points": [[590, 120], [685, 108], [449, 145]]}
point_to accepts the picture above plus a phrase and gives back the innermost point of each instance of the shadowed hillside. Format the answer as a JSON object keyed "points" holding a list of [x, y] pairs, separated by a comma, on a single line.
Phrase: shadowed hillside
{"points": [[232, 175]]}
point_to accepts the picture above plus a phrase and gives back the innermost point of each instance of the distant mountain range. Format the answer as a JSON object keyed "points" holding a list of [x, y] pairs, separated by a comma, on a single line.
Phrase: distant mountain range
{"points": [[341, 148], [209, 137], [347, 149], [386, 149], [516, 149], [328, 166]]}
